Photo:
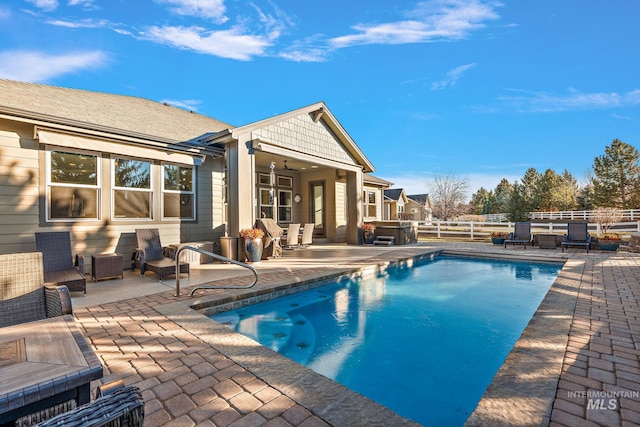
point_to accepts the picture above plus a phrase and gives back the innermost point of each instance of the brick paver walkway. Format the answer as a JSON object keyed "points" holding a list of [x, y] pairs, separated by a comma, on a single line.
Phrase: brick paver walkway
{"points": [[187, 381]]}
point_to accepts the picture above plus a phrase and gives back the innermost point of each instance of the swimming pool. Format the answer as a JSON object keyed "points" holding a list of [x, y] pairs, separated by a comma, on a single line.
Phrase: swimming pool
{"points": [[423, 341]]}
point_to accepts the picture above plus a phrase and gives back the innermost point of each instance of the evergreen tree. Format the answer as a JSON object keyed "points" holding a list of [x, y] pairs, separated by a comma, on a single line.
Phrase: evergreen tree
{"points": [[516, 204], [529, 183], [482, 202], [616, 179]]}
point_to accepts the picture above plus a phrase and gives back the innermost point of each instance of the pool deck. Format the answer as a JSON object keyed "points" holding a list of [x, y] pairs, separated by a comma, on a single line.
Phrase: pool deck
{"points": [[577, 363]]}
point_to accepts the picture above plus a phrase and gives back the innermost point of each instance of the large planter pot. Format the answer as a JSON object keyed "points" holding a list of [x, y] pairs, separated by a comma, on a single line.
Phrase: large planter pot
{"points": [[369, 237], [608, 246], [498, 240], [253, 249]]}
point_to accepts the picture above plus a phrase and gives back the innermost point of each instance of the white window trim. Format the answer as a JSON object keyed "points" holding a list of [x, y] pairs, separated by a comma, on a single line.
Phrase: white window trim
{"points": [[49, 184], [115, 157], [192, 192]]}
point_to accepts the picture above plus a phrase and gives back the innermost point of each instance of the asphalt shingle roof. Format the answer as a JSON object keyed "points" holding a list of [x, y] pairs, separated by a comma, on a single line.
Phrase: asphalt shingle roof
{"points": [[120, 114]]}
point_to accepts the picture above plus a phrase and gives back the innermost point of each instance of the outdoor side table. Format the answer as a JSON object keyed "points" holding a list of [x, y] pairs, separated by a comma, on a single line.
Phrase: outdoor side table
{"points": [[105, 266], [547, 241], [192, 257]]}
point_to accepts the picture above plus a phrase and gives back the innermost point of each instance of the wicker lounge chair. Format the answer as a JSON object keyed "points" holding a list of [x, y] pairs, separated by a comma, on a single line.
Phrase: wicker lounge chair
{"points": [[23, 295], [521, 235], [306, 238], [577, 235], [293, 233], [59, 261], [272, 233], [151, 255], [123, 407]]}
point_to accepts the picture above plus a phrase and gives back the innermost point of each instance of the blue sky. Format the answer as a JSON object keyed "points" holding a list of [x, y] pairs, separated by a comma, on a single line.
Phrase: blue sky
{"points": [[478, 89]]}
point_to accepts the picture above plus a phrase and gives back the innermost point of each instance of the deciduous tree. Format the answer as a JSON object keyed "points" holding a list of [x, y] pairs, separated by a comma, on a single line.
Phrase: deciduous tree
{"points": [[448, 194]]}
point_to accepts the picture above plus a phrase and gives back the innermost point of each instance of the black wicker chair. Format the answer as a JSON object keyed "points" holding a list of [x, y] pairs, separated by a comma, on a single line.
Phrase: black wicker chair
{"points": [[58, 261], [150, 255], [23, 295], [123, 408]]}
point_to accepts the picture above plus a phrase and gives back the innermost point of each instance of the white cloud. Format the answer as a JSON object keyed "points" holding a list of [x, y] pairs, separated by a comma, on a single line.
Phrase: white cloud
{"points": [[574, 100], [429, 21], [185, 104], [46, 5], [210, 9], [86, 4], [82, 23], [452, 77], [226, 44], [33, 66]]}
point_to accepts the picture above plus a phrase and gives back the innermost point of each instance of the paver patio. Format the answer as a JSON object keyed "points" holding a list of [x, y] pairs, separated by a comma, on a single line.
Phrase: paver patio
{"points": [[195, 372]]}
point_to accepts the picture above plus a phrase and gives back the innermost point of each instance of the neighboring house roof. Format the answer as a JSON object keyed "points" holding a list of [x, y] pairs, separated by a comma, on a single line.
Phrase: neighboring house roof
{"points": [[394, 193], [419, 198], [370, 179], [116, 114], [292, 130]]}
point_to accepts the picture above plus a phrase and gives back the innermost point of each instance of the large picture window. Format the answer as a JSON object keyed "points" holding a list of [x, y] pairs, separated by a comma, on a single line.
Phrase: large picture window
{"points": [[178, 192], [74, 186], [132, 194]]}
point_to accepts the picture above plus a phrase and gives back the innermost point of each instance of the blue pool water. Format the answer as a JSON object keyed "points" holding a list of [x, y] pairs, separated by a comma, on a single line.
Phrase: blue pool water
{"points": [[424, 341]]}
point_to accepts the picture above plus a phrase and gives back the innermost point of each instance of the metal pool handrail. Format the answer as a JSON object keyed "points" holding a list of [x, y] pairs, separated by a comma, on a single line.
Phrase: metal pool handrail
{"points": [[221, 258]]}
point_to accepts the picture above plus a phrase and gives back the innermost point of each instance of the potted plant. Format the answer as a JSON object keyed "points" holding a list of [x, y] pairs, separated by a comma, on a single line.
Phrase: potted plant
{"points": [[368, 230], [609, 242], [498, 237], [252, 243]]}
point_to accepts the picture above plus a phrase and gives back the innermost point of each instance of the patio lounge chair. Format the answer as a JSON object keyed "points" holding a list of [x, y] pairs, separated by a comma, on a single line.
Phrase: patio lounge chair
{"points": [[151, 255], [521, 235], [306, 238], [272, 233], [59, 261], [122, 407], [577, 235], [293, 233], [23, 294]]}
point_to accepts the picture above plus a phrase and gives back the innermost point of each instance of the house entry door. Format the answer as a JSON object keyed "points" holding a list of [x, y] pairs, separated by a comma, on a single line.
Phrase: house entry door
{"points": [[317, 208]]}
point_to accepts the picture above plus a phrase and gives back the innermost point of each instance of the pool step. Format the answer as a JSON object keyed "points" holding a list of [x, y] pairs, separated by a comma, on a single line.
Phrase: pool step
{"points": [[385, 241]]}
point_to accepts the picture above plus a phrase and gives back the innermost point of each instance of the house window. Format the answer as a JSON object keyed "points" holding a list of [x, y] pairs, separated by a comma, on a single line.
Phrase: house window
{"points": [[178, 192], [285, 181], [264, 179], [266, 203], [73, 186], [370, 204], [285, 199], [132, 194]]}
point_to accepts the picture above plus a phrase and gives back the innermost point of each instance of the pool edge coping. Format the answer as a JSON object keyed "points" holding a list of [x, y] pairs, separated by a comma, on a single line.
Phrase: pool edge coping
{"points": [[344, 405]]}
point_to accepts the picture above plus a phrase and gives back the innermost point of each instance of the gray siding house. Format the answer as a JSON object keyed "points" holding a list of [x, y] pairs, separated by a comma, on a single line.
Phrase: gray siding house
{"points": [[101, 165]]}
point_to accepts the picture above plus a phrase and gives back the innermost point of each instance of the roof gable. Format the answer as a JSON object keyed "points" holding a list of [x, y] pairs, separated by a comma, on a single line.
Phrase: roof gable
{"points": [[311, 130]]}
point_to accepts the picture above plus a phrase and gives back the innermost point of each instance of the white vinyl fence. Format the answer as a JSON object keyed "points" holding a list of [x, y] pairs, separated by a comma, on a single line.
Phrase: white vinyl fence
{"points": [[482, 230]]}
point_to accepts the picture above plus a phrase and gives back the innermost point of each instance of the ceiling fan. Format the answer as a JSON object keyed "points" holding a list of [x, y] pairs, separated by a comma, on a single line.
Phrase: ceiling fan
{"points": [[287, 168]]}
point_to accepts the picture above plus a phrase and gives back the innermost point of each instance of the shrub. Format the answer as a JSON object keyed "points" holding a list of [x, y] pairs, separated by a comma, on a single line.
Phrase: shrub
{"points": [[251, 233]]}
